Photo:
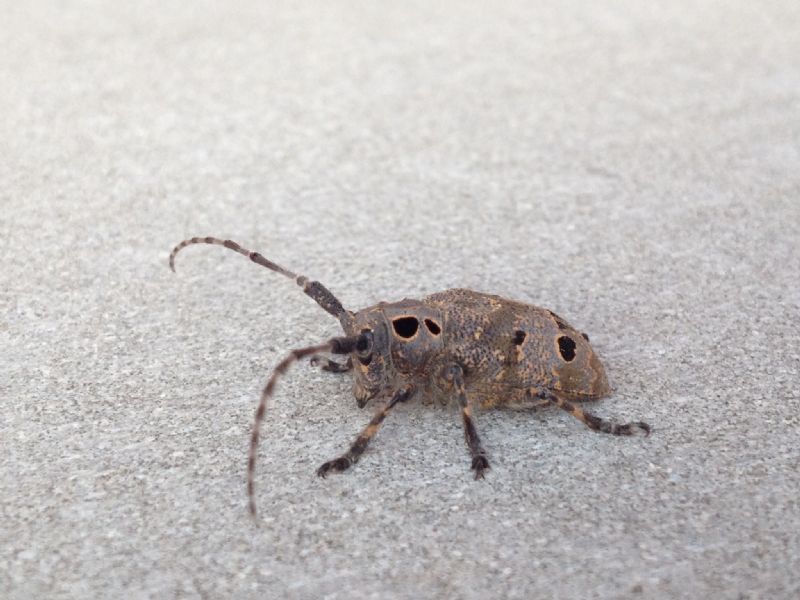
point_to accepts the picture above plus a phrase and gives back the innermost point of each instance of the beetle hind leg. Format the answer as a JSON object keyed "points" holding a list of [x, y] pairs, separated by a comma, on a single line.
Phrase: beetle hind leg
{"points": [[593, 422]]}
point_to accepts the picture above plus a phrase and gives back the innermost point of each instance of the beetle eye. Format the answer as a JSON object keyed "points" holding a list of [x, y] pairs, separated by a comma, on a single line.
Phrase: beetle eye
{"points": [[364, 343]]}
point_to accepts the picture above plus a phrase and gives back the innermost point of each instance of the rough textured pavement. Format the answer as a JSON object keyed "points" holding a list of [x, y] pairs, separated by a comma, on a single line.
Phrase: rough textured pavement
{"points": [[635, 168]]}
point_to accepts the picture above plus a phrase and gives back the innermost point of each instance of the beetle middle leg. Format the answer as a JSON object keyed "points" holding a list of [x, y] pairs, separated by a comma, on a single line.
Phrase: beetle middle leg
{"points": [[357, 448], [331, 366], [454, 375], [592, 421]]}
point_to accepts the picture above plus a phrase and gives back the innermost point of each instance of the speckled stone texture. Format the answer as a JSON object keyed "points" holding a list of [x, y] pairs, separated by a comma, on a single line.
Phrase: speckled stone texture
{"points": [[633, 166]]}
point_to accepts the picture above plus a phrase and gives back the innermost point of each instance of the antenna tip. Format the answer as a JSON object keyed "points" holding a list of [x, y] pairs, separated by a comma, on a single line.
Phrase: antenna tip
{"points": [[172, 257]]}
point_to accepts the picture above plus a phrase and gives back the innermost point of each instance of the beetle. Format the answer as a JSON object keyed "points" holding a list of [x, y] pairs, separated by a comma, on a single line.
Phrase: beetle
{"points": [[480, 349]]}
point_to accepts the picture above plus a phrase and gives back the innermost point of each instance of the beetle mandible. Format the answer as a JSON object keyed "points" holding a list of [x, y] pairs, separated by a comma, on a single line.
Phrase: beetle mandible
{"points": [[480, 349]]}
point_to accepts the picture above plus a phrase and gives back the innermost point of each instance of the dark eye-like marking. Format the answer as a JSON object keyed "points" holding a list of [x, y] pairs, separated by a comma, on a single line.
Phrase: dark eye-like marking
{"points": [[433, 326], [559, 321], [406, 327], [566, 346], [519, 337]]}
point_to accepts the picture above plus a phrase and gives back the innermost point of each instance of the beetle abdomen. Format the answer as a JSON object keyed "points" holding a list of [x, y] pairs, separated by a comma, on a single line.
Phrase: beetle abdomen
{"points": [[504, 344]]}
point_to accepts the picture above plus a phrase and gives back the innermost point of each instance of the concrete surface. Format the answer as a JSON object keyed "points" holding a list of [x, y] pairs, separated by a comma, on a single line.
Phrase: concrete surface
{"points": [[633, 167]]}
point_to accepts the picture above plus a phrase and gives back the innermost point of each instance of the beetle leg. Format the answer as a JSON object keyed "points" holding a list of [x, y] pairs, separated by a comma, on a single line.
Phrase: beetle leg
{"points": [[593, 422], [455, 376], [357, 448], [331, 366], [340, 345]]}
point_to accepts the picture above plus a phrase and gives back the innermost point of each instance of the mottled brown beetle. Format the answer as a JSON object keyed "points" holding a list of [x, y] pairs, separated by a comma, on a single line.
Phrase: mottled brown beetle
{"points": [[480, 349]]}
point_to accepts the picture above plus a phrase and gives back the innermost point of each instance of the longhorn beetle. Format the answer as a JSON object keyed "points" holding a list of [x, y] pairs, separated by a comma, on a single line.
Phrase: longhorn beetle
{"points": [[480, 349]]}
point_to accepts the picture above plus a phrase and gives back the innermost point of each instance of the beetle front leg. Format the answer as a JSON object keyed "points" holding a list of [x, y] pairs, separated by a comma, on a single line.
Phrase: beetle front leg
{"points": [[349, 458], [331, 366], [454, 376]]}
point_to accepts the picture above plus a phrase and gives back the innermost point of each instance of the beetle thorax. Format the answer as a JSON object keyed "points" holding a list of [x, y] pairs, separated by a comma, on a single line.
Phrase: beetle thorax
{"points": [[415, 335], [403, 338]]}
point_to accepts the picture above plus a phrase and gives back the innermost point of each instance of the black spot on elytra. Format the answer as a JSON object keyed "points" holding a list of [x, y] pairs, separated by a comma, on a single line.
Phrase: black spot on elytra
{"points": [[566, 346], [406, 327], [519, 337], [562, 324], [433, 326]]}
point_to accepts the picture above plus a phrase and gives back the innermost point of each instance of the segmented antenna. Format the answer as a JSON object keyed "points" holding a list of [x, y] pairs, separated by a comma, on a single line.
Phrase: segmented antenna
{"points": [[341, 345], [314, 289]]}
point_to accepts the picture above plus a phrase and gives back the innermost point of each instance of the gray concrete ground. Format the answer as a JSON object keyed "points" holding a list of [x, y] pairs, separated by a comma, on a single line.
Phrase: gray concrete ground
{"points": [[634, 167]]}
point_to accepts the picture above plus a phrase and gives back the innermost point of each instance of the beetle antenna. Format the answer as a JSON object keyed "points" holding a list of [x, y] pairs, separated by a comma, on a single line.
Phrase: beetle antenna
{"points": [[338, 345], [314, 289]]}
